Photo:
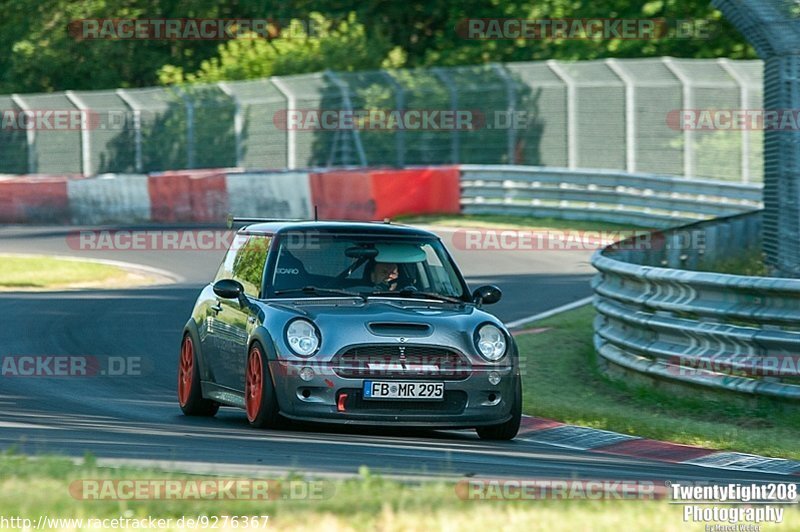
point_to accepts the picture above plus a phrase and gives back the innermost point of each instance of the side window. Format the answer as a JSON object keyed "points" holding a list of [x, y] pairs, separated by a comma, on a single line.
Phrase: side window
{"points": [[226, 268], [245, 261], [248, 265]]}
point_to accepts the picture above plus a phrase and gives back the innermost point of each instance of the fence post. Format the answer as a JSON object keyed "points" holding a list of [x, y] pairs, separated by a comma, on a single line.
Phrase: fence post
{"points": [[687, 103], [30, 134], [137, 127], [630, 113], [744, 95], [455, 136], [400, 103], [348, 105], [511, 98], [187, 102], [572, 113], [86, 148], [291, 133], [238, 120]]}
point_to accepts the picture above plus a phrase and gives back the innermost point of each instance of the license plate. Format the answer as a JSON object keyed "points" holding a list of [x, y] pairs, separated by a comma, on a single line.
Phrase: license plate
{"points": [[403, 390]]}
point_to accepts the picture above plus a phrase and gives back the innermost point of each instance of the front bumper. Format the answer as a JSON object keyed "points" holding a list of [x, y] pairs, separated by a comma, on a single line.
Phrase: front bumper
{"points": [[469, 402]]}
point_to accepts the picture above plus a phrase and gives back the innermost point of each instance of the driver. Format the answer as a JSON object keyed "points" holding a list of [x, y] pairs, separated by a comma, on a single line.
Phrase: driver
{"points": [[384, 275]]}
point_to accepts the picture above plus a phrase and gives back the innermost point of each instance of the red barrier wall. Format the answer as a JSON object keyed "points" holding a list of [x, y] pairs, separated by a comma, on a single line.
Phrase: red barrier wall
{"points": [[34, 199], [378, 194], [416, 191], [188, 196], [343, 195]]}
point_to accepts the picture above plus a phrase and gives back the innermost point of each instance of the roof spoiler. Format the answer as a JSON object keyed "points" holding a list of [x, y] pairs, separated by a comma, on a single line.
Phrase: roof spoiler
{"points": [[231, 219], [236, 220]]}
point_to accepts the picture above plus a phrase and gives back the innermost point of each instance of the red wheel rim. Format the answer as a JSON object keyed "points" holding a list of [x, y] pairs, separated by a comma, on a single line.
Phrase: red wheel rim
{"points": [[254, 384], [185, 371]]}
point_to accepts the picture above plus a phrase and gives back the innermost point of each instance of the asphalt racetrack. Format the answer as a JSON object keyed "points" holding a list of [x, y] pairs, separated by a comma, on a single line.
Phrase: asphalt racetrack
{"points": [[136, 417]]}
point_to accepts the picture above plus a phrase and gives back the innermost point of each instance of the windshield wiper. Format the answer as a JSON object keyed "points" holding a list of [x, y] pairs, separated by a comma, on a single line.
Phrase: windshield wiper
{"points": [[417, 293], [320, 290]]}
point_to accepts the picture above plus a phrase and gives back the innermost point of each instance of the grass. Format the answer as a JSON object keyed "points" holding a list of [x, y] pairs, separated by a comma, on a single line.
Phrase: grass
{"points": [[749, 262], [33, 487], [501, 221], [47, 273], [561, 382]]}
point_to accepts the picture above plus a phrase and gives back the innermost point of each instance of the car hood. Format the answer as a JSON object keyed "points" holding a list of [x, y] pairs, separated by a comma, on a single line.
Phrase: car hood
{"points": [[346, 322]]}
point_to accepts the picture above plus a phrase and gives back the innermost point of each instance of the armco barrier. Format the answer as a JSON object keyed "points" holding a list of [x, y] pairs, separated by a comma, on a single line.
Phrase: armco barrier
{"points": [[369, 194], [647, 200], [728, 332]]}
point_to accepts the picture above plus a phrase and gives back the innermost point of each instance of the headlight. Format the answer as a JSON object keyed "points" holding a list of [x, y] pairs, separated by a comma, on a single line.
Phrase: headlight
{"points": [[491, 342], [302, 337]]}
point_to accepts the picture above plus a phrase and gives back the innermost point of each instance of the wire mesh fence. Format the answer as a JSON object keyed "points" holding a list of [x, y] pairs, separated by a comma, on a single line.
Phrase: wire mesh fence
{"points": [[624, 114]]}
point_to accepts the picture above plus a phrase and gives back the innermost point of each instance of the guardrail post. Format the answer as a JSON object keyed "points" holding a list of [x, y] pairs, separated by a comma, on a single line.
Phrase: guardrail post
{"points": [[572, 113], [30, 134]]}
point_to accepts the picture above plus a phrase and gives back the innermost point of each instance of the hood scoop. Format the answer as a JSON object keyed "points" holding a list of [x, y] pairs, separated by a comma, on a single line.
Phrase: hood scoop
{"points": [[400, 329]]}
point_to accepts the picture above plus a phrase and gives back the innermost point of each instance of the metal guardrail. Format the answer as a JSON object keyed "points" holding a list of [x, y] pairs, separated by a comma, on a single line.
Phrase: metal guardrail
{"points": [[646, 200], [729, 332]]}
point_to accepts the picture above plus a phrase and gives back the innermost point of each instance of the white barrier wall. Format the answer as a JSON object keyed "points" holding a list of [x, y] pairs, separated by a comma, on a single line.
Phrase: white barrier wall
{"points": [[280, 195], [109, 198]]}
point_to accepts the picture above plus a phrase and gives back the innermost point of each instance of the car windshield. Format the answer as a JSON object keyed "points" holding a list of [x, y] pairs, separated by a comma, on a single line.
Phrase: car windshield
{"points": [[314, 264]]}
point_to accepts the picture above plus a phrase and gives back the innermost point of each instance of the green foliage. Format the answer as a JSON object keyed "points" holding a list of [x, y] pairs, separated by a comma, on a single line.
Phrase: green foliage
{"points": [[40, 55], [342, 45]]}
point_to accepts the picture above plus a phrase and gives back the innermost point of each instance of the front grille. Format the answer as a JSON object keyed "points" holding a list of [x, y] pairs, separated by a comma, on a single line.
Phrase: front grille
{"points": [[402, 362], [454, 402]]}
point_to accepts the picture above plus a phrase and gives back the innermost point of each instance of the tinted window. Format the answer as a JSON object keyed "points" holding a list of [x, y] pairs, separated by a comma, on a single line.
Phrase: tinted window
{"points": [[365, 264]]}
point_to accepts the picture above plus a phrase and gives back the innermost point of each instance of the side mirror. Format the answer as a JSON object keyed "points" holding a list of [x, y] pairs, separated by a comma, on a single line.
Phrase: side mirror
{"points": [[487, 294], [228, 289]]}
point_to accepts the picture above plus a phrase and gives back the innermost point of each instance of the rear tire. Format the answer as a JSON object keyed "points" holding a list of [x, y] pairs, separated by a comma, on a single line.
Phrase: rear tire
{"points": [[260, 401], [509, 429], [190, 396]]}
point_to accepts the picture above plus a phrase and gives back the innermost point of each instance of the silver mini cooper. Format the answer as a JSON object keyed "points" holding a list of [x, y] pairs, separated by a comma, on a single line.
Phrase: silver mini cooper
{"points": [[354, 323]]}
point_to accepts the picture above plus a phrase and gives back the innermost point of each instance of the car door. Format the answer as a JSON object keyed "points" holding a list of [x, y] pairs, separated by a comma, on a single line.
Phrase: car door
{"points": [[235, 321]]}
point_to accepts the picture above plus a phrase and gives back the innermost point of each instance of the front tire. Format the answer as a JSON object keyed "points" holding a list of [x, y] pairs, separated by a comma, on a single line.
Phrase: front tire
{"points": [[190, 396], [509, 429], [260, 401]]}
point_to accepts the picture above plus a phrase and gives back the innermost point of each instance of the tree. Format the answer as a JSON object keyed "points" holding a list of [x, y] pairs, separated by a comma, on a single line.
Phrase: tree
{"points": [[303, 46]]}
